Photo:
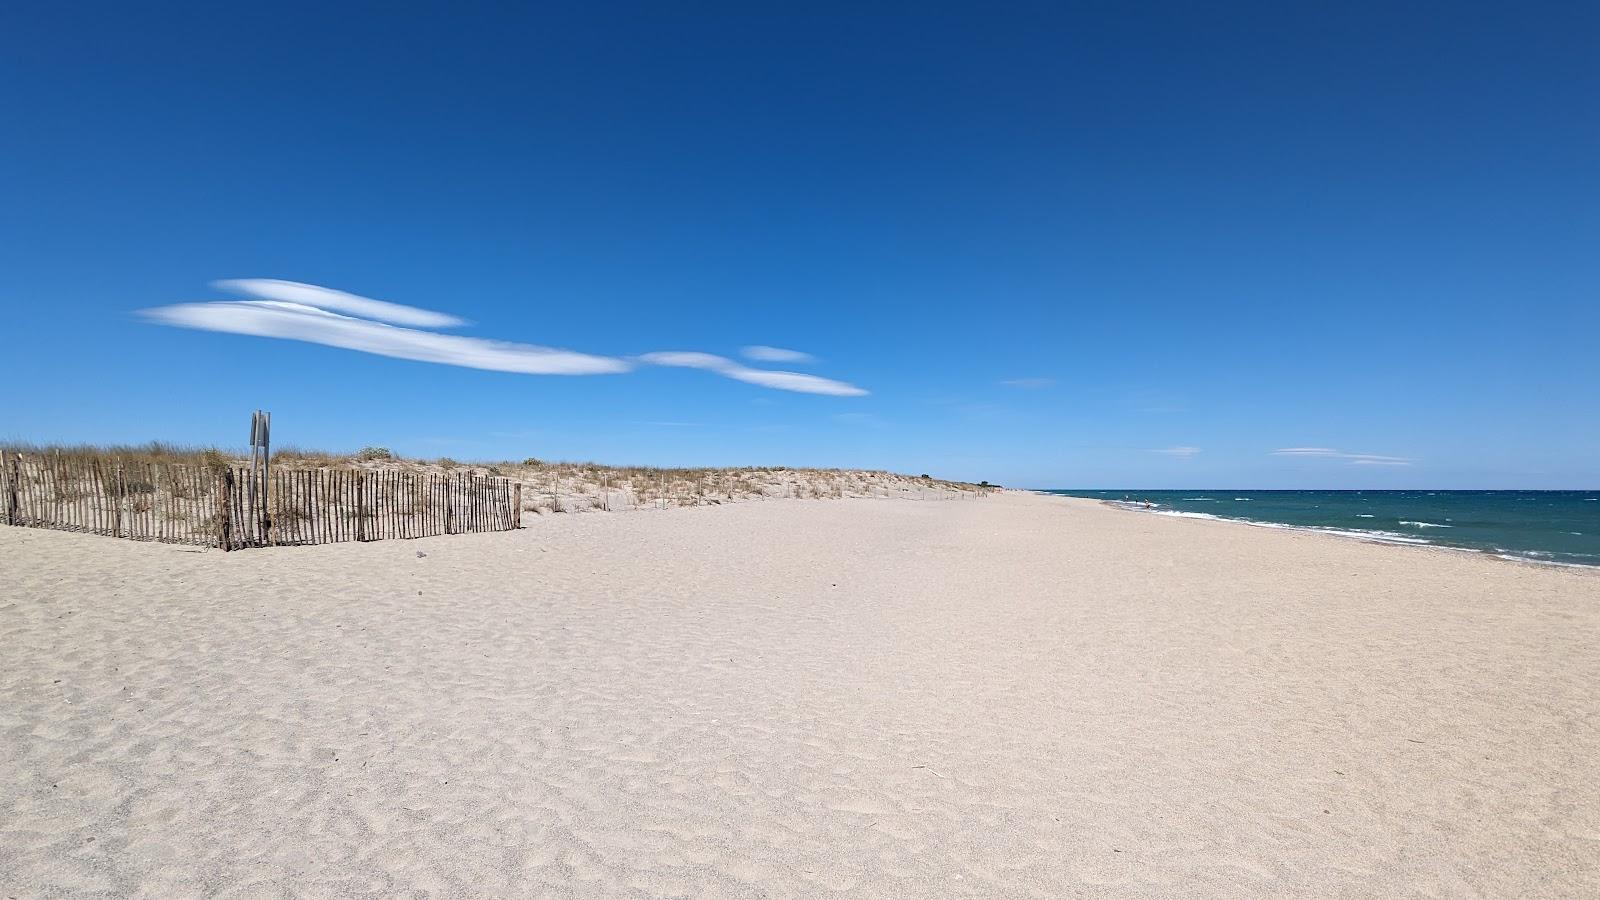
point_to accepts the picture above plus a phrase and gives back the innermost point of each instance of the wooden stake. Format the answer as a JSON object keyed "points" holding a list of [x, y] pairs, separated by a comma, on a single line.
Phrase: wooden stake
{"points": [[12, 468], [361, 510], [224, 490]]}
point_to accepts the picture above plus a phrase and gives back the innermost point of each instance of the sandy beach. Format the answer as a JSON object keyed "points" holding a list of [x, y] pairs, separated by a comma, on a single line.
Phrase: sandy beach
{"points": [[1016, 696]]}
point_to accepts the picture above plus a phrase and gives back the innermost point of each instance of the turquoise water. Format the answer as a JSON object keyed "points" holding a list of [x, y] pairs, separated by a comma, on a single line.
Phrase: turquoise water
{"points": [[1542, 526]]}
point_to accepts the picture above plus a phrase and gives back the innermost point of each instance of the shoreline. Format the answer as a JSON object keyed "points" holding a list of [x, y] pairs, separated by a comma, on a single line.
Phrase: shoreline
{"points": [[1365, 537]]}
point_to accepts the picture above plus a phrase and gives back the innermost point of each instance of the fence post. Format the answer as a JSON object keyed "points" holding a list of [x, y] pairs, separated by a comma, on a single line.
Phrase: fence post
{"points": [[119, 493], [516, 505], [14, 470], [266, 478], [361, 508], [224, 503]]}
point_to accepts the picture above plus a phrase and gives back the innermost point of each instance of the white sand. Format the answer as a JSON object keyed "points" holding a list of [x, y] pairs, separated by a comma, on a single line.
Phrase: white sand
{"points": [[1019, 696]]}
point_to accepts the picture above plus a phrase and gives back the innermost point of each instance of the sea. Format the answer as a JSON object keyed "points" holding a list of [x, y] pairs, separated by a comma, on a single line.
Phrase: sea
{"points": [[1555, 527]]}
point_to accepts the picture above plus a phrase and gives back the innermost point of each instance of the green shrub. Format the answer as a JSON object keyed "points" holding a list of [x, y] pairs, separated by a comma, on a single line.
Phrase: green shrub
{"points": [[214, 460]]}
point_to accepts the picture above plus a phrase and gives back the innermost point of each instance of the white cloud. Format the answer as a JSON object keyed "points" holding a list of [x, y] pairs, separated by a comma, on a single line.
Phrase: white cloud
{"points": [[761, 353], [305, 312], [291, 321], [338, 301], [1367, 459], [1178, 452], [1354, 459], [1032, 384], [783, 381]]}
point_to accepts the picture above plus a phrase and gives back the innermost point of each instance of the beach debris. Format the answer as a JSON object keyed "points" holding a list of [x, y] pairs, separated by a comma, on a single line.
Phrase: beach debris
{"points": [[420, 554], [930, 770]]}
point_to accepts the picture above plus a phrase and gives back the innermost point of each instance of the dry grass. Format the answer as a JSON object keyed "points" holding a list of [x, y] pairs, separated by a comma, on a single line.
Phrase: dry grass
{"points": [[579, 486], [564, 486], [153, 452]]}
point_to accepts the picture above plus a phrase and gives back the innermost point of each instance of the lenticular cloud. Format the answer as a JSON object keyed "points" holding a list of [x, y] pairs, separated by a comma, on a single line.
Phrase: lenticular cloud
{"points": [[783, 381], [762, 353], [338, 301], [306, 312], [1355, 459], [271, 318]]}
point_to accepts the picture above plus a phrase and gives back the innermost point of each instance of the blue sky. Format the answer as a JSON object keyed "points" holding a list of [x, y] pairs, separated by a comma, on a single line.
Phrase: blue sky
{"points": [[1132, 245]]}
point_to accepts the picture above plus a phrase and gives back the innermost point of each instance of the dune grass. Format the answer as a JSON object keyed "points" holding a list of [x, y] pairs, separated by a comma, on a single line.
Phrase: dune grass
{"points": [[563, 485]]}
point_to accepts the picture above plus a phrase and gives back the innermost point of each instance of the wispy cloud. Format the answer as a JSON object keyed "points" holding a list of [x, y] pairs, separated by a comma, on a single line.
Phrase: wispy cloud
{"points": [[1030, 384], [290, 310], [338, 301], [1354, 459], [762, 353], [1178, 452], [783, 381], [292, 321]]}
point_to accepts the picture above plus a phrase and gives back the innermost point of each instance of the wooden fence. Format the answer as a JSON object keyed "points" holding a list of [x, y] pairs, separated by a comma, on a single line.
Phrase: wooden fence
{"points": [[227, 507]]}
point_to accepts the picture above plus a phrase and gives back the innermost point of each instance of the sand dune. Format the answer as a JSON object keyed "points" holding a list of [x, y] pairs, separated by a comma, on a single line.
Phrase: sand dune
{"points": [[1018, 696]]}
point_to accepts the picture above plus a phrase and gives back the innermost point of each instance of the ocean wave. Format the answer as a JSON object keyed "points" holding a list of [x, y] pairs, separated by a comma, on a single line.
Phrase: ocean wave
{"points": [[1364, 534], [1199, 498], [1382, 537], [1546, 554], [1533, 556], [1241, 498]]}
